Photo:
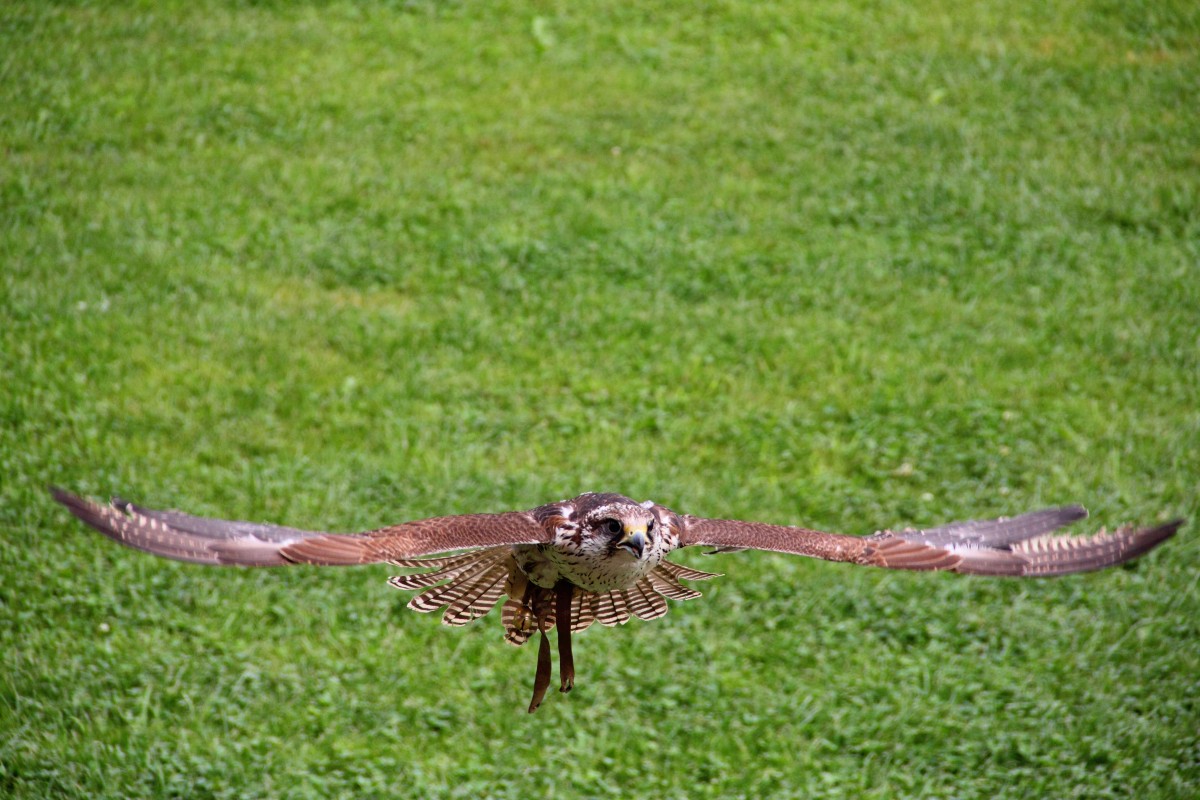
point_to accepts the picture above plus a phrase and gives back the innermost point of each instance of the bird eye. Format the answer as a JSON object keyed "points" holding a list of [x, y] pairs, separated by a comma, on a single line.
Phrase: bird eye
{"points": [[650, 527], [613, 525]]}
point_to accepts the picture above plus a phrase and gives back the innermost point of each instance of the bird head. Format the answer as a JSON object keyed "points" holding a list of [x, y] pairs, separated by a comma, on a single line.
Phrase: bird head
{"points": [[617, 526]]}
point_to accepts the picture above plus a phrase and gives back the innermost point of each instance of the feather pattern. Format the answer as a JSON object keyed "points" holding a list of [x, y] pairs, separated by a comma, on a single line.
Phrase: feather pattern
{"points": [[583, 610], [448, 571], [680, 572], [204, 540], [478, 598], [431, 562], [665, 584], [1013, 546], [998, 532], [645, 602], [611, 608], [447, 593], [1061, 555]]}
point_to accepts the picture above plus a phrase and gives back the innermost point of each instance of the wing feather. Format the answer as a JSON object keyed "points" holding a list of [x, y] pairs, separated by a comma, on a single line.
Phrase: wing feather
{"points": [[665, 584], [430, 562], [1000, 531], [479, 598], [1016, 546], [449, 593], [1062, 555], [680, 572], [453, 567], [202, 540]]}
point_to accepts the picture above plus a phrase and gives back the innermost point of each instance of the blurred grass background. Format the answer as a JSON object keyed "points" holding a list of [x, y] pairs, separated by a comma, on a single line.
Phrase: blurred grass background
{"points": [[848, 265]]}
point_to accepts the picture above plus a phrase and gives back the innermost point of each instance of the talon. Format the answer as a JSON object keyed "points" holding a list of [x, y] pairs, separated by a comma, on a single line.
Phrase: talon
{"points": [[523, 621]]}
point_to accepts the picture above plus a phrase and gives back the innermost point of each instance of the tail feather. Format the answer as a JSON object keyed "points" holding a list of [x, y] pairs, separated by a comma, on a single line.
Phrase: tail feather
{"points": [[583, 610], [612, 608], [645, 600]]}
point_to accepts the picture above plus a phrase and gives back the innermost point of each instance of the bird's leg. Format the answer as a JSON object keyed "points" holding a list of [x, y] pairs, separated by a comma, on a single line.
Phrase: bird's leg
{"points": [[563, 593], [541, 679]]}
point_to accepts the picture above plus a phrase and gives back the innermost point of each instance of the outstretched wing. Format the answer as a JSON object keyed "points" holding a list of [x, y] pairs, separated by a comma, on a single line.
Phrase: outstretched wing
{"points": [[1021, 545], [183, 537]]}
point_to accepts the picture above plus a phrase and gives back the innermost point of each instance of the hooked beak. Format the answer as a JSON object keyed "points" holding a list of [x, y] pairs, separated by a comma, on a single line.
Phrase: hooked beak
{"points": [[634, 541]]}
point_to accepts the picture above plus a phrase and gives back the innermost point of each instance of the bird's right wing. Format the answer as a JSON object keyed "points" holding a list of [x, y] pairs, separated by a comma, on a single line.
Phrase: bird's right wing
{"points": [[202, 540]]}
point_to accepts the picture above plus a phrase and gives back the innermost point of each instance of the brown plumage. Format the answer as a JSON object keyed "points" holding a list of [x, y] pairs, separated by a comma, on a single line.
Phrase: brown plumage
{"points": [[601, 557]]}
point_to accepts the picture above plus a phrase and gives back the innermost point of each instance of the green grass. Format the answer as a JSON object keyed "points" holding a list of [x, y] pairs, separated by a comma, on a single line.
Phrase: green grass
{"points": [[849, 265]]}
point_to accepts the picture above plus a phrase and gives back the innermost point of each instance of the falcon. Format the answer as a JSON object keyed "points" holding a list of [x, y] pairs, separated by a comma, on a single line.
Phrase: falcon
{"points": [[601, 557]]}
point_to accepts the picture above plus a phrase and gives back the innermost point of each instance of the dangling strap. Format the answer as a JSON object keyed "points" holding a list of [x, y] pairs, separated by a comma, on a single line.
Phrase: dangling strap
{"points": [[541, 679], [563, 593]]}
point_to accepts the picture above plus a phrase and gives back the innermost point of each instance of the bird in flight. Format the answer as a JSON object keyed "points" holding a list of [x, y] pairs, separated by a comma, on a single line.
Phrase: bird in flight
{"points": [[601, 557]]}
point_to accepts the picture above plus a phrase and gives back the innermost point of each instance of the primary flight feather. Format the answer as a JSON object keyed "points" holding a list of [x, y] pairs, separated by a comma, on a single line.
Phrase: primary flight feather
{"points": [[601, 557]]}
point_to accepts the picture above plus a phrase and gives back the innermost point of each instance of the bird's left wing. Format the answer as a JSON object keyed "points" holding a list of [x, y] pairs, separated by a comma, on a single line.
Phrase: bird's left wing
{"points": [[1022, 545], [183, 537]]}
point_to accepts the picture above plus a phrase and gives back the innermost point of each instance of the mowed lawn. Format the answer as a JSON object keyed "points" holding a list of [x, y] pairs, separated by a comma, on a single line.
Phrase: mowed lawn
{"points": [[847, 265]]}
